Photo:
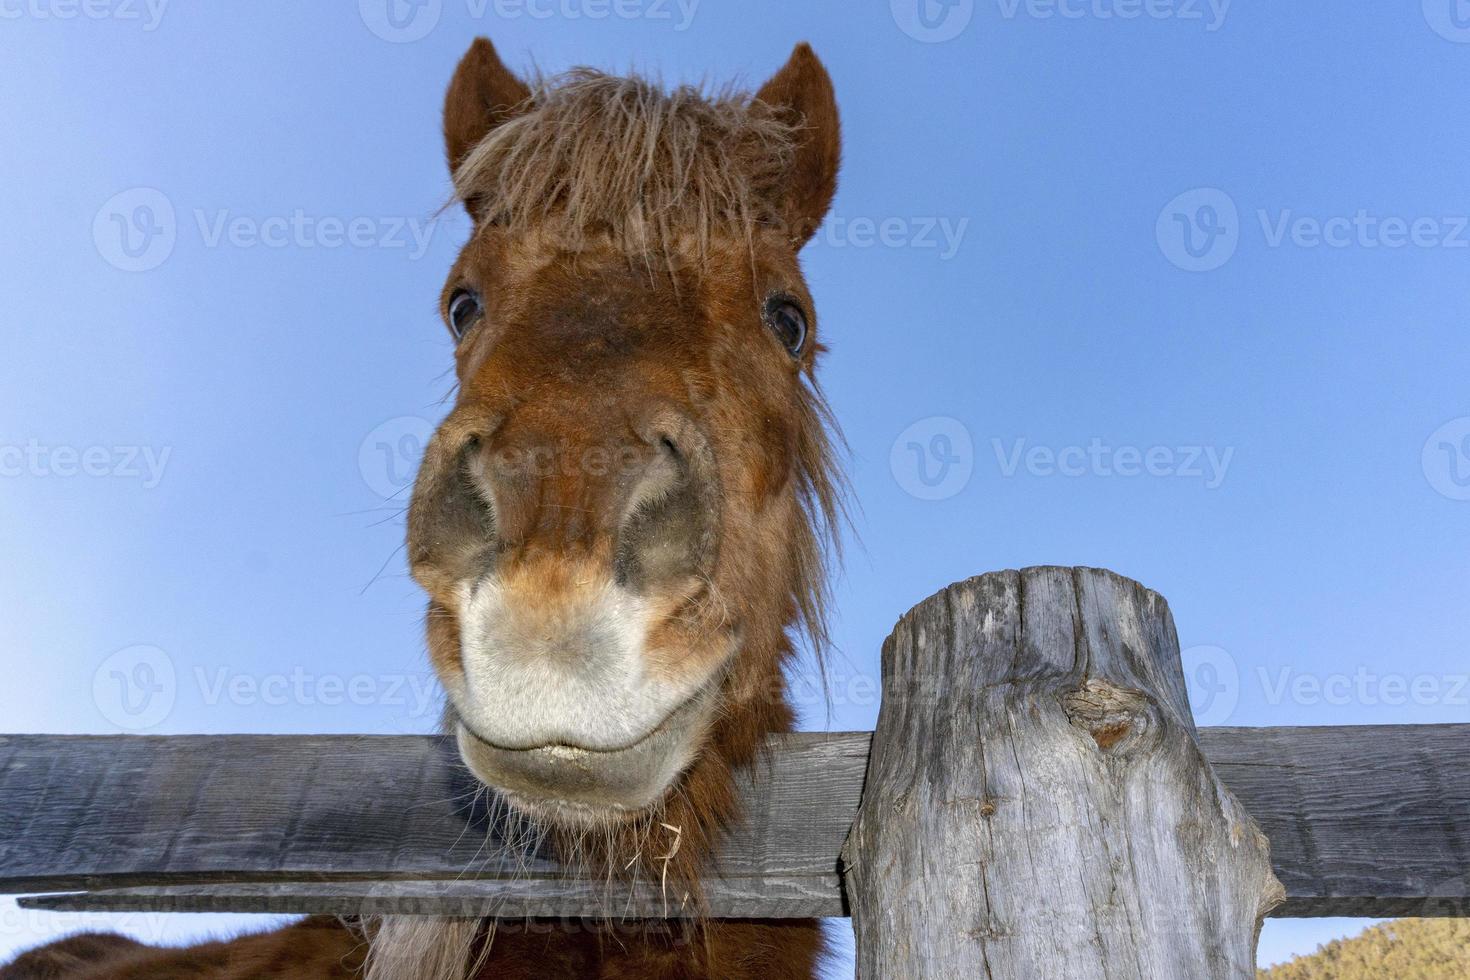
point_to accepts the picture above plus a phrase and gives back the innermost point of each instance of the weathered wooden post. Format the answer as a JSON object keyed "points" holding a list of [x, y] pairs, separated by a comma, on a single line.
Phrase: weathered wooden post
{"points": [[1036, 804]]}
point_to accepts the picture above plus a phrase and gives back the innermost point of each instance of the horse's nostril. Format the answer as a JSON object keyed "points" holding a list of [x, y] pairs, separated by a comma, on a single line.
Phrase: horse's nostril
{"points": [[451, 522], [667, 531]]}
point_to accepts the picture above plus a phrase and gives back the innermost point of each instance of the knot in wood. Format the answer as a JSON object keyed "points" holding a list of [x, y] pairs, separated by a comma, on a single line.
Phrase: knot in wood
{"points": [[1115, 717]]}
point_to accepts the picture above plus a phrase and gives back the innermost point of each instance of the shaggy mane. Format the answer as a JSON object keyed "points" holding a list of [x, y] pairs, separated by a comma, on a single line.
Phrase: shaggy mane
{"points": [[603, 155]]}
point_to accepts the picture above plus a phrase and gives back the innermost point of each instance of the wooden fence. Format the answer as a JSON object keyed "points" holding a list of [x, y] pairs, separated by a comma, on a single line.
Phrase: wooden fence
{"points": [[1035, 788]]}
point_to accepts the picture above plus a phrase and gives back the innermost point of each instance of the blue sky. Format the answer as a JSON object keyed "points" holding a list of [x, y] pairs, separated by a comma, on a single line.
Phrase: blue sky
{"points": [[1171, 288]]}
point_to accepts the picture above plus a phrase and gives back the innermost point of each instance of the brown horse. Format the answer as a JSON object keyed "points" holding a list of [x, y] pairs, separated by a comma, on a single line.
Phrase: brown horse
{"points": [[622, 519]]}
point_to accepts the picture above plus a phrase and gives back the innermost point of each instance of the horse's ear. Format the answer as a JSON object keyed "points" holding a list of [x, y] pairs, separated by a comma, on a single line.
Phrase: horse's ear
{"points": [[802, 91], [482, 95]]}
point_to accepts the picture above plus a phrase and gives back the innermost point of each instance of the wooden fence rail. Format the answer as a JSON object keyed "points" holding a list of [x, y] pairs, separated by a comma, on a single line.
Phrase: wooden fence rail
{"points": [[1363, 820]]}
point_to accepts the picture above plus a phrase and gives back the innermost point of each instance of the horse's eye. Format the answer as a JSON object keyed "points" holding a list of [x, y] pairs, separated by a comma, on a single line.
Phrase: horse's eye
{"points": [[464, 310], [787, 322]]}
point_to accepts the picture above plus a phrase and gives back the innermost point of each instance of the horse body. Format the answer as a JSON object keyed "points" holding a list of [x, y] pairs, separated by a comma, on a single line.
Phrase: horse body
{"points": [[323, 948], [619, 522]]}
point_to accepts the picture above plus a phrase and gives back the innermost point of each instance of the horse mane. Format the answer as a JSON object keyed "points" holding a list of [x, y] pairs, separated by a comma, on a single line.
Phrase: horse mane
{"points": [[605, 155]]}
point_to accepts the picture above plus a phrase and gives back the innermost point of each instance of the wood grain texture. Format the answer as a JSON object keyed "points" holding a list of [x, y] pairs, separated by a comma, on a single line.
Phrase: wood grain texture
{"points": [[1055, 818], [1370, 820], [1363, 821], [374, 815]]}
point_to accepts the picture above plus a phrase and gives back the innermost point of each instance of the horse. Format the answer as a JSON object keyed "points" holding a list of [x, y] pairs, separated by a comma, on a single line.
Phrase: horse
{"points": [[623, 524]]}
